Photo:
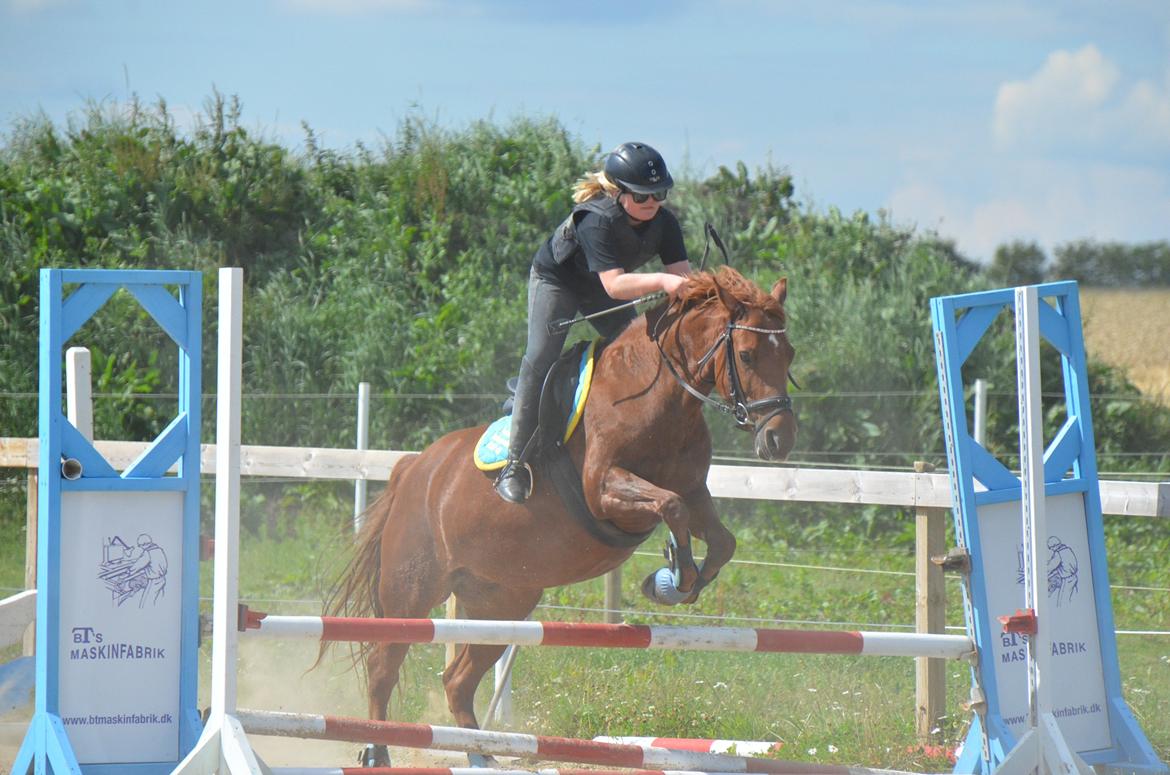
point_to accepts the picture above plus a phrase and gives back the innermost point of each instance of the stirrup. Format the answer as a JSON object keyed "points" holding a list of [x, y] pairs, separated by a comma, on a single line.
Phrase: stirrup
{"points": [[509, 484]]}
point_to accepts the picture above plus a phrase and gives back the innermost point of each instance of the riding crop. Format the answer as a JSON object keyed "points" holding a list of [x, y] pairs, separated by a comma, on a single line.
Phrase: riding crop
{"points": [[558, 326]]}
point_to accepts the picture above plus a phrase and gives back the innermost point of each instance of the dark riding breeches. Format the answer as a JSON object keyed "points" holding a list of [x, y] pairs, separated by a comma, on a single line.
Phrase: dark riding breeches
{"points": [[549, 300]]}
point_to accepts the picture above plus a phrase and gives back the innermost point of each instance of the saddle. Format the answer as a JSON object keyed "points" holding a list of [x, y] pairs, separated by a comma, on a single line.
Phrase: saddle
{"points": [[562, 403]]}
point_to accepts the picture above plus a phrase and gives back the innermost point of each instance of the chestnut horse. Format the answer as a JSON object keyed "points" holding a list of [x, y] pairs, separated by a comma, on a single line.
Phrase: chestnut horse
{"points": [[643, 450]]}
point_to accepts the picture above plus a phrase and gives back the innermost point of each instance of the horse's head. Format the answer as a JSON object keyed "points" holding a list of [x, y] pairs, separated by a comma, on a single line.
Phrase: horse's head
{"points": [[748, 354]]}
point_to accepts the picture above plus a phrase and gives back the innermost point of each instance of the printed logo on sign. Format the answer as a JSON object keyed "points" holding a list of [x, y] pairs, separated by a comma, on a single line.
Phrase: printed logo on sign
{"points": [[92, 645], [1063, 570], [86, 635], [137, 572]]}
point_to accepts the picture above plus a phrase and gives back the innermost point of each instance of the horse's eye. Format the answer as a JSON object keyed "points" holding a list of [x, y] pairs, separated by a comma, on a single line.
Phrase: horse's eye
{"points": [[745, 357]]}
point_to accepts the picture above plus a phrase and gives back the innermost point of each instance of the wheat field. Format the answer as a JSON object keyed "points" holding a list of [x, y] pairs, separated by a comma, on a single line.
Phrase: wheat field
{"points": [[1130, 329]]}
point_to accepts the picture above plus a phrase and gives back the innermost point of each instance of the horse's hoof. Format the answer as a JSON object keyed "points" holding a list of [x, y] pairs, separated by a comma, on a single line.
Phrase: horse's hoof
{"points": [[659, 588], [374, 756], [480, 760]]}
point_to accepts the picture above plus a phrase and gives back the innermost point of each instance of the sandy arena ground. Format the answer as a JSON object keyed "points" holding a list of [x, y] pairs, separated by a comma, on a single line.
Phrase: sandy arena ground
{"points": [[272, 676]]}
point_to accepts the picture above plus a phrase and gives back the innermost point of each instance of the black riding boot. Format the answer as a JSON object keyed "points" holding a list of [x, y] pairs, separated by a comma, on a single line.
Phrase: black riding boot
{"points": [[514, 484]]}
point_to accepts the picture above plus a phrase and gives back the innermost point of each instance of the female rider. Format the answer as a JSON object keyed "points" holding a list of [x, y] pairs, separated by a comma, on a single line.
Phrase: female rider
{"points": [[587, 265]]}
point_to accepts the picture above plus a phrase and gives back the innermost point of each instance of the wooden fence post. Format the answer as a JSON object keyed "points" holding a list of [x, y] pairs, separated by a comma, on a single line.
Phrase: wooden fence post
{"points": [[30, 552], [930, 613]]}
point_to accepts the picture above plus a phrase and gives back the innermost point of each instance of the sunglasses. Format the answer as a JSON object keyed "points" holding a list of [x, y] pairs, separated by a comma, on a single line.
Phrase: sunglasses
{"points": [[659, 196]]}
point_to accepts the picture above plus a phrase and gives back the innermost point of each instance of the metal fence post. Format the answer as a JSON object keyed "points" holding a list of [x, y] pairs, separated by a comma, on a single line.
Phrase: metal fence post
{"points": [[980, 424], [613, 596], [363, 442]]}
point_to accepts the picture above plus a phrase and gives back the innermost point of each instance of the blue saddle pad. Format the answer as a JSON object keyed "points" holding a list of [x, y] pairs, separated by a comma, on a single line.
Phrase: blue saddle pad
{"points": [[491, 451]]}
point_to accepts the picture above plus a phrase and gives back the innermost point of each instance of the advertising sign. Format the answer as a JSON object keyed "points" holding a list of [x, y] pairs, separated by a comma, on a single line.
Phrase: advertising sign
{"points": [[120, 624], [1080, 703]]}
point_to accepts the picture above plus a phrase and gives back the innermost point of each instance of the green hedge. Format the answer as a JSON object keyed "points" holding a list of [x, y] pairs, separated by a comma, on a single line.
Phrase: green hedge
{"points": [[405, 265]]}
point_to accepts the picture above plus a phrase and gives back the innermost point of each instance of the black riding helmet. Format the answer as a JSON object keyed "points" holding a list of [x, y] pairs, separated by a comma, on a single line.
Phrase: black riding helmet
{"points": [[638, 168]]}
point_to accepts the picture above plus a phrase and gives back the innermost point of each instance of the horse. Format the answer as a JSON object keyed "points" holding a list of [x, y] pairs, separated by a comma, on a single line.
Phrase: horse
{"points": [[643, 450]]}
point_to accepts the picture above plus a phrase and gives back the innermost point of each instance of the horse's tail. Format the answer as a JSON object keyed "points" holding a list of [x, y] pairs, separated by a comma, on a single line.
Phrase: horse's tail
{"points": [[355, 592]]}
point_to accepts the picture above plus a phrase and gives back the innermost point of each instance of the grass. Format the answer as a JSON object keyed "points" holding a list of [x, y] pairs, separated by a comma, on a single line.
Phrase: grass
{"points": [[831, 709], [12, 550]]}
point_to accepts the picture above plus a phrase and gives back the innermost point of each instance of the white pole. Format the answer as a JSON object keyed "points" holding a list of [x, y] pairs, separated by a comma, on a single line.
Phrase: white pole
{"points": [[79, 390], [363, 441], [980, 434], [225, 639], [223, 748], [1033, 496], [499, 711], [1042, 748]]}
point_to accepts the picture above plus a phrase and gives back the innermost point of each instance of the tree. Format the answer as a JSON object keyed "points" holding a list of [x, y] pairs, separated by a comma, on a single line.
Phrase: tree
{"points": [[1017, 263], [1114, 264]]}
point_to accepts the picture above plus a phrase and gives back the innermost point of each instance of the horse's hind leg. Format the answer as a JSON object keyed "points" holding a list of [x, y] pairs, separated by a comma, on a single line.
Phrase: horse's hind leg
{"points": [[401, 594], [382, 665], [462, 677], [383, 662]]}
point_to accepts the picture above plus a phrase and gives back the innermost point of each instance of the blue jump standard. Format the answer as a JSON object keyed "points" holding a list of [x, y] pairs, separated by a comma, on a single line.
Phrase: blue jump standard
{"points": [[117, 555], [1090, 710]]}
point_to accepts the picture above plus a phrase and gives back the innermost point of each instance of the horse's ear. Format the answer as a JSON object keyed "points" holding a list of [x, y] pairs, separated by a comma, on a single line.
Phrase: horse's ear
{"points": [[780, 290]]}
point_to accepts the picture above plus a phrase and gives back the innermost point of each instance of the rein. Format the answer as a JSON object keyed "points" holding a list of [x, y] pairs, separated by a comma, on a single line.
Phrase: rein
{"points": [[741, 409]]}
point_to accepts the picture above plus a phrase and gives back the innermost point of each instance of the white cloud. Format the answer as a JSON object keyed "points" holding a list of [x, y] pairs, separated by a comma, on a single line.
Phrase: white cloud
{"points": [[976, 227], [1050, 203], [1146, 112], [1077, 102], [1080, 152]]}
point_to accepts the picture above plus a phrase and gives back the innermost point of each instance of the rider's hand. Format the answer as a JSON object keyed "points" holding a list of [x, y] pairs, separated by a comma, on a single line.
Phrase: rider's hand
{"points": [[672, 282]]}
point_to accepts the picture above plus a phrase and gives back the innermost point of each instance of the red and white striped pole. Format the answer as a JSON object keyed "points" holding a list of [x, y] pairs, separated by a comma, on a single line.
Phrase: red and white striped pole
{"points": [[596, 635], [472, 770], [468, 771], [403, 734]]}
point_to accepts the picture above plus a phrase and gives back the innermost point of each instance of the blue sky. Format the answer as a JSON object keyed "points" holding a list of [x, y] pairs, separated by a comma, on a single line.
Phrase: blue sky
{"points": [[985, 121]]}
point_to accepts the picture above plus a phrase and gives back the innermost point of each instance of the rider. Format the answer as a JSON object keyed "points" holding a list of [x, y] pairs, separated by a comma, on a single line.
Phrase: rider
{"points": [[587, 265]]}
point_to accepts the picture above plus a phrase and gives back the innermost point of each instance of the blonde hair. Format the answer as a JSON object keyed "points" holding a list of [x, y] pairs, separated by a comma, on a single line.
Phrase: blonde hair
{"points": [[594, 184]]}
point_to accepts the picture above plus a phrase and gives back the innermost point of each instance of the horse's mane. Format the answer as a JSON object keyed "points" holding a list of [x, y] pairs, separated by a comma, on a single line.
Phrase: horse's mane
{"points": [[700, 290]]}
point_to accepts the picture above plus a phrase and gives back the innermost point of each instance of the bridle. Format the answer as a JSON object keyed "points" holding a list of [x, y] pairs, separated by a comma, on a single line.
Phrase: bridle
{"points": [[740, 408]]}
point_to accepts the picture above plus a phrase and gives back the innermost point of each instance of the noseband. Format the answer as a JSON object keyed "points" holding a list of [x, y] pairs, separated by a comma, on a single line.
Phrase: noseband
{"points": [[740, 408]]}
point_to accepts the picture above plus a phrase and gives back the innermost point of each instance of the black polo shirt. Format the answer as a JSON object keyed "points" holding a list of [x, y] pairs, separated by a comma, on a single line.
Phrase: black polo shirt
{"points": [[597, 237]]}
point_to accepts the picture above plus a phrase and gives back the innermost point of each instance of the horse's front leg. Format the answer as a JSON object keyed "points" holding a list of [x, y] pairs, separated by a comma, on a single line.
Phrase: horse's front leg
{"points": [[627, 499], [707, 527]]}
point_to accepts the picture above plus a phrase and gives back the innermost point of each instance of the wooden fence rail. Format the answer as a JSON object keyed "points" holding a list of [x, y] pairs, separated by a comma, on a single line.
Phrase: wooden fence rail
{"points": [[777, 483]]}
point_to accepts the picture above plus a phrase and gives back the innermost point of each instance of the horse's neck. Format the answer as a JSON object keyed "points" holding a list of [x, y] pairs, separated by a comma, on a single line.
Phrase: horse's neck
{"points": [[684, 349]]}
